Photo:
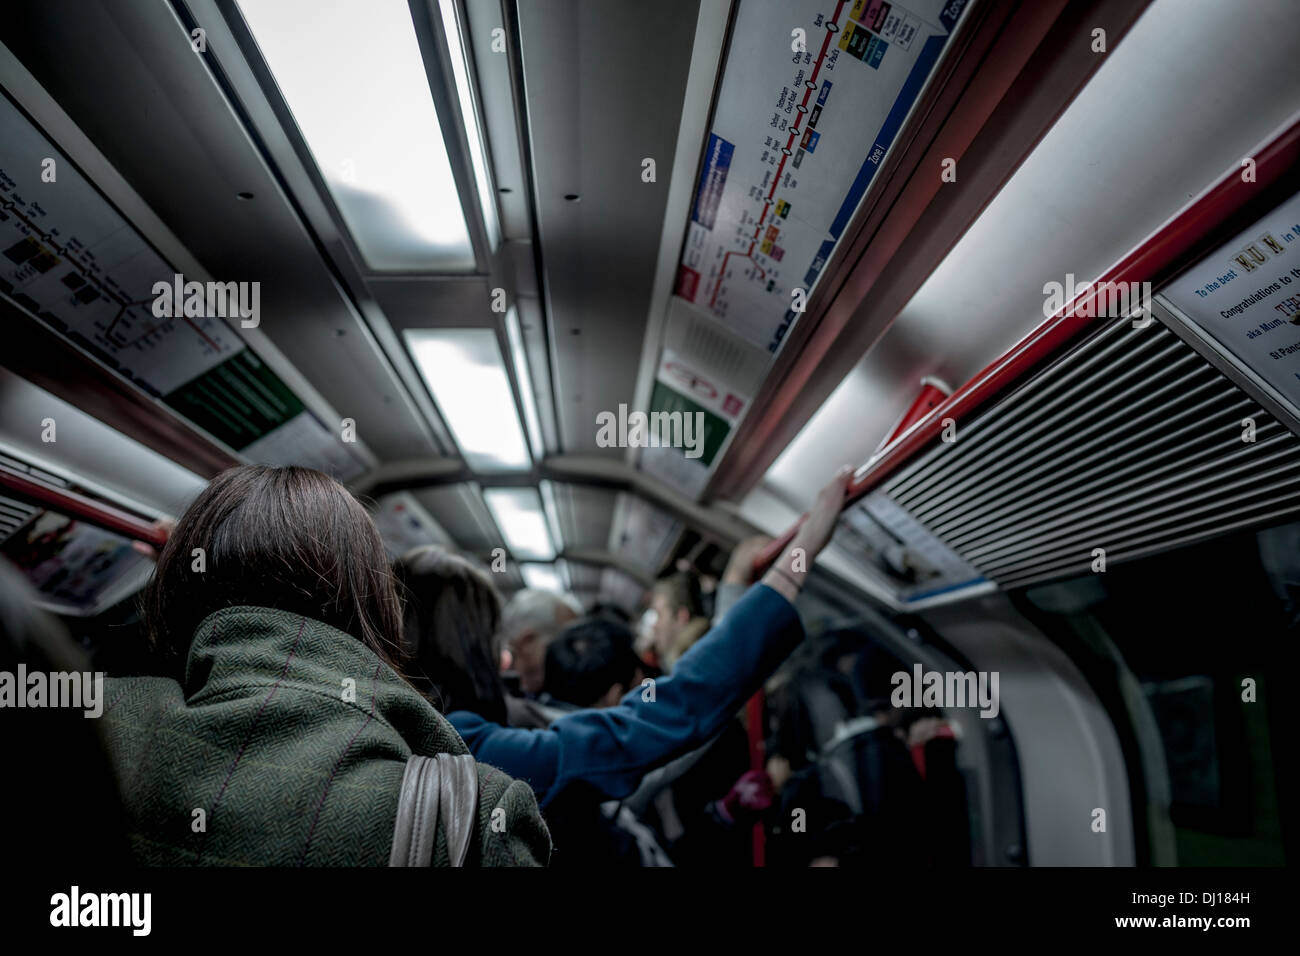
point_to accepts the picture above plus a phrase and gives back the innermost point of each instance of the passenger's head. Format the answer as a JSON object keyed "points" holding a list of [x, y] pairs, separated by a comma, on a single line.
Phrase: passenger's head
{"points": [[675, 599], [451, 619], [612, 611], [287, 538], [591, 663], [530, 621]]}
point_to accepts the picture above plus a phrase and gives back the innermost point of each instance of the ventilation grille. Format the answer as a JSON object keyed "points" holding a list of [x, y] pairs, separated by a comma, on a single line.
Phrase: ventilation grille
{"points": [[714, 351], [13, 515], [1131, 443]]}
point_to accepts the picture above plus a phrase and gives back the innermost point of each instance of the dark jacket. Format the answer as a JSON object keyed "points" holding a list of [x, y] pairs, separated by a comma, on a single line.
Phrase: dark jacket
{"points": [[291, 737], [611, 748]]}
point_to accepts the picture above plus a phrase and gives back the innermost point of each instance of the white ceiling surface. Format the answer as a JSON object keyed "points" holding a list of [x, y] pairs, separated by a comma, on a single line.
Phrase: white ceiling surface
{"points": [[1191, 89]]}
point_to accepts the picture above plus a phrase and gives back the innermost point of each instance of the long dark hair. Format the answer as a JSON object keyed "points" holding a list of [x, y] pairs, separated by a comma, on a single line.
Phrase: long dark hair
{"points": [[287, 538], [451, 619]]}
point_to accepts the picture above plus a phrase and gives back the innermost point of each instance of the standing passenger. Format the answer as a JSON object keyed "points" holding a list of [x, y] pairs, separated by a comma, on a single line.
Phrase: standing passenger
{"points": [[530, 621], [609, 749], [679, 619], [281, 734]]}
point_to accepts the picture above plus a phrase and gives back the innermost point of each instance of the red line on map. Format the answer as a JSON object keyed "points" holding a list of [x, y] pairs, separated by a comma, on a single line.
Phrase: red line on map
{"points": [[767, 204]]}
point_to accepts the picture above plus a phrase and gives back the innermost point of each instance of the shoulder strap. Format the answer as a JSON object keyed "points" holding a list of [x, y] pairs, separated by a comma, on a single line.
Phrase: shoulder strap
{"points": [[459, 804], [435, 789]]}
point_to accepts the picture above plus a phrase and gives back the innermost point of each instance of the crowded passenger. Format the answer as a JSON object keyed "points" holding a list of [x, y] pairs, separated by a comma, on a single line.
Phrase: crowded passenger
{"points": [[282, 731], [592, 663], [698, 811], [610, 749], [870, 781], [678, 617], [530, 621]]}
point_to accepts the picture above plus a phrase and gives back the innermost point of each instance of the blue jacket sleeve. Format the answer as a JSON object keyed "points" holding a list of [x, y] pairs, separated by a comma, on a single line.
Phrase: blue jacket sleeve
{"points": [[612, 748]]}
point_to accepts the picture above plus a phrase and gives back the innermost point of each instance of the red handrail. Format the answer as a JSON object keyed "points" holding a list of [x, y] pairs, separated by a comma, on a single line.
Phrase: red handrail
{"points": [[88, 509], [1156, 254], [757, 761], [929, 398]]}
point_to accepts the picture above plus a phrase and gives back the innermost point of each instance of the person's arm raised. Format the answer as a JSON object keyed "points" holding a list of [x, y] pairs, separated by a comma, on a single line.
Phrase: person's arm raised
{"points": [[787, 573], [740, 574], [612, 748]]}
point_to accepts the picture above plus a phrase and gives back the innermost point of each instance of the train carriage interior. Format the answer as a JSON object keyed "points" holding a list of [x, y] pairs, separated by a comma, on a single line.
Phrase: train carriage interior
{"points": [[594, 298]]}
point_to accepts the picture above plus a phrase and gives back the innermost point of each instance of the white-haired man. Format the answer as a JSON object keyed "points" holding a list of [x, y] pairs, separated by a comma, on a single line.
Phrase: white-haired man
{"points": [[529, 622]]}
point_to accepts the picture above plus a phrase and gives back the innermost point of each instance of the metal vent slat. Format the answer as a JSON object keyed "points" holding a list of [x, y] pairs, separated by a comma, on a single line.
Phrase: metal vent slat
{"points": [[1079, 548], [1136, 475], [1086, 401], [13, 515], [1131, 442], [996, 479], [1018, 440], [1156, 543], [1077, 450], [1071, 367], [1210, 494]]}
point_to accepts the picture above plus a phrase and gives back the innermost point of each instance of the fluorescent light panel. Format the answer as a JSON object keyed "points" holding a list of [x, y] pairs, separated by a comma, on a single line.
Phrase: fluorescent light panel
{"points": [[518, 513], [477, 154], [543, 577], [467, 377], [552, 510], [515, 336], [354, 78]]}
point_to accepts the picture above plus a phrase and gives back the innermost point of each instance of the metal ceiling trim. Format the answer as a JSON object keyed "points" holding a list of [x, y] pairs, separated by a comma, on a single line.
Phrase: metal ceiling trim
{"points": [[712, 29], [589, 470]]}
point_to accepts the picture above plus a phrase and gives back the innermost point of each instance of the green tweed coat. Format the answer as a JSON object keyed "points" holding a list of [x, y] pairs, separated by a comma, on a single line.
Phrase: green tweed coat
{"points": [[286, 747]]}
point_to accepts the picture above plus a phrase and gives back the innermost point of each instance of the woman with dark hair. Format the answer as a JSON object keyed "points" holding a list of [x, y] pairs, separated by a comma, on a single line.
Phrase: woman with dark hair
{"points": [[281, 733], [448, 597]]}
